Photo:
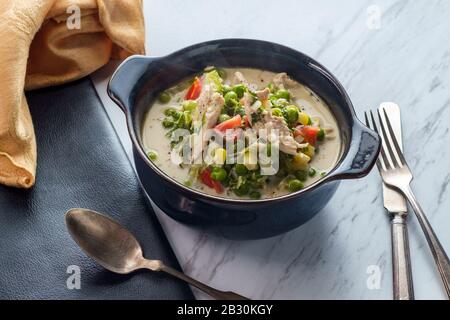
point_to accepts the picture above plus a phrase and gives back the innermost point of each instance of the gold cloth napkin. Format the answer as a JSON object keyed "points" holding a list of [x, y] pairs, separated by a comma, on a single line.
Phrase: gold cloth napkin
{"points": [[41, 45]]}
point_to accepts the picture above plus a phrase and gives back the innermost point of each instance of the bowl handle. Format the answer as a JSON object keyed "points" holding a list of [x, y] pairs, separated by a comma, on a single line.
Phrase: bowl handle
{"points": [[362, 155], [123, 81]]}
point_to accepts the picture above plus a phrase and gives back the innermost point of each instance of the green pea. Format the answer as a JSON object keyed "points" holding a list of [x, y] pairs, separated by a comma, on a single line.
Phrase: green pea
{"points": [[295, 185], [277, 112], [168, 122], [242, 190], [255, 195], [152, 155], [164, 97], [240, 169], [301, 175], [223, 118], [283, 94], [240, 89], [170, 111], [321, 135], [312, 172], [291, 114], [231, 98], [219, 174], [225, 89], [239, 110], [189, 105]]}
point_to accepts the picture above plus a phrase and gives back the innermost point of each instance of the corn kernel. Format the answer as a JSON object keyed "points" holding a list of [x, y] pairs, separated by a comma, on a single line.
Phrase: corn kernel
{"points": [[309, 151], [220, 155], [303, 118], [251, 160], [300, 161]]}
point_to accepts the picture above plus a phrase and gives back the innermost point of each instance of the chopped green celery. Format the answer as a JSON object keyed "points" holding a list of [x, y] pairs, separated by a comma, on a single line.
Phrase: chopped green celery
{"points": [[214, 78], [222, 73], [185, 121], [168, 122], [189, 105], [170, 111]]}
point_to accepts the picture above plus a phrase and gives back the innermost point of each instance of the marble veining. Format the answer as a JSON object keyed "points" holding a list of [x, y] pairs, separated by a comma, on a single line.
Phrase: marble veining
{"points": [[404, 59]]}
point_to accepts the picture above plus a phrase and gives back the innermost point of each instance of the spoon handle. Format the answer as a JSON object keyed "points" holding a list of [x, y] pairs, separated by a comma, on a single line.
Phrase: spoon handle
{"points": [[216, 294]]}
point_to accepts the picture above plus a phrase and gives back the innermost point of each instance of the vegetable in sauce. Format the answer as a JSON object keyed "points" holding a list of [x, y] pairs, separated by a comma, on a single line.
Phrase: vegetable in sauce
{"points": [[232, 103]]}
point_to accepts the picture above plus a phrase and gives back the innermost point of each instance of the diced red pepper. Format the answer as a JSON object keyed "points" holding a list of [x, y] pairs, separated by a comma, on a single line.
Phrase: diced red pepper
{"points": [[217, 186], [309, 133], [205, 177], [232, 123], [246, 122], [195, 90]]}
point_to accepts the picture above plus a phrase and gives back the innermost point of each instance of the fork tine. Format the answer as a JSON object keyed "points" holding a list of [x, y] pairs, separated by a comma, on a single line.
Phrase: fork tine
{"points": [[394, 139], [379, 164], [386, 140], [384, 159]]}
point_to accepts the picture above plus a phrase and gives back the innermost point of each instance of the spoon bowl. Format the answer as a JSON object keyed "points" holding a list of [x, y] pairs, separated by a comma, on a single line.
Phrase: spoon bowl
{"points": [[104, 240]]}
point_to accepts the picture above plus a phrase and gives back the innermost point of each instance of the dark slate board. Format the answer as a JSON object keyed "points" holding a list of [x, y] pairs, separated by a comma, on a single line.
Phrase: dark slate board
{"points": [[81, 163]]}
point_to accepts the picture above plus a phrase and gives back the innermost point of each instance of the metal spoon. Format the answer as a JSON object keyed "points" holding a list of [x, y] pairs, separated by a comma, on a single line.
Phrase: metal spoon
{"points": [[117, 250]]}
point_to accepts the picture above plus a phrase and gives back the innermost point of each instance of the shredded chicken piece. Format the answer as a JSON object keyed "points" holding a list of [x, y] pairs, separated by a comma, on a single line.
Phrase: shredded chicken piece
{"points": [[282, 81], [203, 101], [263, 94], [239, 78], [209, 106], [287, 142], [213, 110], [246, 102]]}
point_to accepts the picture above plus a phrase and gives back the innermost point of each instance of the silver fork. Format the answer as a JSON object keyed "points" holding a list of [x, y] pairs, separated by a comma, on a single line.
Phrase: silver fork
{"points": [[395, 173]]}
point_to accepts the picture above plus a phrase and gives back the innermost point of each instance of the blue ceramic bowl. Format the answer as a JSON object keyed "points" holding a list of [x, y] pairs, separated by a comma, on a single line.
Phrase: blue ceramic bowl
{"points": [[139, 80]]}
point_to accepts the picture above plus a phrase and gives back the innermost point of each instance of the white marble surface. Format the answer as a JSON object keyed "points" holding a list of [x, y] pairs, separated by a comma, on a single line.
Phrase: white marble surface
{"points": [[406, 60]]}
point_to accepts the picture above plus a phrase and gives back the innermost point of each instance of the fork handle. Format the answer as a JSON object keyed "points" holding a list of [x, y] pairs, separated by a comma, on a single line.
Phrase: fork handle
{"points": [[401, 262], [439, 255]]}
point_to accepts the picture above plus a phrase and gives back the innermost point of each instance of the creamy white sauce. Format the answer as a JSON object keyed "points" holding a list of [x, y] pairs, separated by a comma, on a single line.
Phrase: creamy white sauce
{"points": [[154, 134]]}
